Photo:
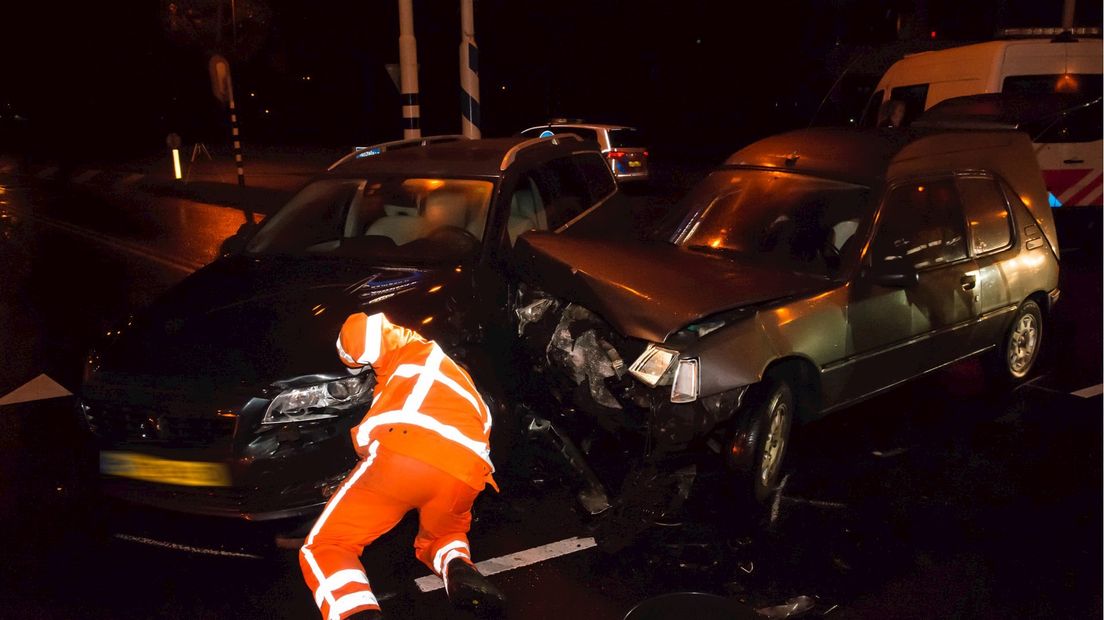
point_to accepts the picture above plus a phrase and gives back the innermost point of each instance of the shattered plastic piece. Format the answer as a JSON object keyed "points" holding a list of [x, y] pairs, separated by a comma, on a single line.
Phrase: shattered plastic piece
{"points": [[532, 313], [588, 358], [792, 608], [747, 566]]}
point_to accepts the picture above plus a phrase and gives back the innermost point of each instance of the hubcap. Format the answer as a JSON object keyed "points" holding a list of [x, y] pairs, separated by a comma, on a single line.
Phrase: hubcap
{"points": [[1022, 345], [775, 442]]}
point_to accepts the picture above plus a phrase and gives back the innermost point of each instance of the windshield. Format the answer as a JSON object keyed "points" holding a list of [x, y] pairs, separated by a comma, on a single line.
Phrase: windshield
{"points": [[798, 222], [406, 218]]}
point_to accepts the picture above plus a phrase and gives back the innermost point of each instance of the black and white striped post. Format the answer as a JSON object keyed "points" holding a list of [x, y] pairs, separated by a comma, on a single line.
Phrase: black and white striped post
{"points": [[408, 72], [469, 72], [236, 136]]}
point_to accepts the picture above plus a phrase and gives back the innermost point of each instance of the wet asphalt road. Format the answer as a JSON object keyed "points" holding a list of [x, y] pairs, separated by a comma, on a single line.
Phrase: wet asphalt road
{"points": [[944, 498]]}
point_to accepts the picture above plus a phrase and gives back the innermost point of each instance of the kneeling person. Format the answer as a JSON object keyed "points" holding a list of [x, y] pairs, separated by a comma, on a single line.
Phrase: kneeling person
{"points": [[424, 445]]}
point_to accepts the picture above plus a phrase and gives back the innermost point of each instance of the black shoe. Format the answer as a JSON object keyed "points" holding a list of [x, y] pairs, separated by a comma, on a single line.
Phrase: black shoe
{"points": [[469, 590], [367, 614]]}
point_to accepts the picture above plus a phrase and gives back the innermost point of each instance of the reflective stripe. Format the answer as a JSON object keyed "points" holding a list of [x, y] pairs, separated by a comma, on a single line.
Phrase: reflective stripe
{"points": [[438, 563], [340, 494], [450, 556], [410, 370], [337, 580], [318, 574], [341, 352], [425, 381], [373, 334], [416, 418], [351, 601]]}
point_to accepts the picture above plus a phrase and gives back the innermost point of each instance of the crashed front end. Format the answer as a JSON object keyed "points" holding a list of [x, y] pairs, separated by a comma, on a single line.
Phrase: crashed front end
{"points": [[639, 398]]}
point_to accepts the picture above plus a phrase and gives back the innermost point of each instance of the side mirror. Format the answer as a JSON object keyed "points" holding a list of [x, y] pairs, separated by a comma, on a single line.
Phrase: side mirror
{"points": [[235, 244], [893, 274]]}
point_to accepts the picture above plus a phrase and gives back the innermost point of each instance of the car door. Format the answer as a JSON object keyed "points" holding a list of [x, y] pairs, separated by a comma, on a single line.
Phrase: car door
{"points": [[991, 235], [903, 328]]}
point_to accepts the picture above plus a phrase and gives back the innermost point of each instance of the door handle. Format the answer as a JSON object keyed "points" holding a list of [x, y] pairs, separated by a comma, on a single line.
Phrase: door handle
{"points": [[1073, 161], [968, 282]]}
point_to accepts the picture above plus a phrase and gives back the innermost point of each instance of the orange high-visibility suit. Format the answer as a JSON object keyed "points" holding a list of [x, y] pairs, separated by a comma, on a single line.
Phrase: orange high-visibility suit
{"points": [[424, 445]]}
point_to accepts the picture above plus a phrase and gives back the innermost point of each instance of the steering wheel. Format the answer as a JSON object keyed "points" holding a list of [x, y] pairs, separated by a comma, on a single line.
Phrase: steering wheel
{"points": [[444, 232]]}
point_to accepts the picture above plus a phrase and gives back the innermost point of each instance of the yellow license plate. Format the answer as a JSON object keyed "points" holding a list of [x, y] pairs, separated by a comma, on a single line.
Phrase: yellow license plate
{"points": [[166, 471], [634, 164]]}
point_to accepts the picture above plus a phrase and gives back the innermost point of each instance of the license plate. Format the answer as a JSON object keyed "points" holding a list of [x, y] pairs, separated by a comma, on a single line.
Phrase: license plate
{"points": [[634, 164], [166, 471]]}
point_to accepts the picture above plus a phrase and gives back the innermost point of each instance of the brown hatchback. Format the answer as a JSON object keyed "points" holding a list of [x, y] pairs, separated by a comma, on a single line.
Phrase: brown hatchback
{"points": [[813, 269]]}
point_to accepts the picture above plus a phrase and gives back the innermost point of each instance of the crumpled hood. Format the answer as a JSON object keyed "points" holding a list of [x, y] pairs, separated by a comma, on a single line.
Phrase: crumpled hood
{"points": [[246, 321], [651, 290]]}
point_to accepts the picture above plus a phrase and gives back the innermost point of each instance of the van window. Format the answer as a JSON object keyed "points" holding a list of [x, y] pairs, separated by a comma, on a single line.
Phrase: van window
{"points": [[1081, 125], [1086, 84], [913, 97], [986, 213], [870, 113]]}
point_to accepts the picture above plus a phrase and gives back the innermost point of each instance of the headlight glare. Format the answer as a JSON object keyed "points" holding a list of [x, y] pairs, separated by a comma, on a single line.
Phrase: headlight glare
{"points": [[319, 401], [653, 364], [684, 388]]}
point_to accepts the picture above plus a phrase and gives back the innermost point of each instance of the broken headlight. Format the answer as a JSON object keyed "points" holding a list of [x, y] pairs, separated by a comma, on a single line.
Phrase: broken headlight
{"points": [[532, 313], [319, 401], [684, 387], [653, 364]]}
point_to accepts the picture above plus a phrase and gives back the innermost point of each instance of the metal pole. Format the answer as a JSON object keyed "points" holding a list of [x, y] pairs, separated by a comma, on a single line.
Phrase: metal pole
{"points": [[408, 68], [469, 72], [237, 140], [1067, 14]]}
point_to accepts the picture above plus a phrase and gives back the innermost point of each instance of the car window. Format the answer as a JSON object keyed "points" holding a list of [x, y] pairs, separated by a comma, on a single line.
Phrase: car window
{"points": [[795, 221], [987, 214], [870, 112], [627, 139], [388, 217], [1082, 124], [567, 188], [913, 97], [921, 223]]}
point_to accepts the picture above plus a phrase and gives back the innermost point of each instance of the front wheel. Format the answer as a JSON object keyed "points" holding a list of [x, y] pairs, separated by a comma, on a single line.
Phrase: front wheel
{"points": [[1016, 357], [758, 446]]}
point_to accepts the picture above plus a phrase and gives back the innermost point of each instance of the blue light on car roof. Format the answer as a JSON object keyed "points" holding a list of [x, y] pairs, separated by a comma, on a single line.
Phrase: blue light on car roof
{"points": [[368, 153], [1053, 200], [546, 134]]}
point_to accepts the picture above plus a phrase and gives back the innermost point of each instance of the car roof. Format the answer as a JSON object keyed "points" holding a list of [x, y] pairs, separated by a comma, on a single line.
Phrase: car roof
{"points": [[458, 158], [580, 124]]}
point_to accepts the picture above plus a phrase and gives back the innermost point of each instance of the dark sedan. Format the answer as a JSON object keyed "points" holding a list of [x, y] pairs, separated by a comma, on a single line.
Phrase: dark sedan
{"points": [[226, 397]]}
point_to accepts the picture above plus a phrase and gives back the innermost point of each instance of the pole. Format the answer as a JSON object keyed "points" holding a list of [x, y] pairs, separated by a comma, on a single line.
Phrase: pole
{"points": [[237, 140], [408, 67], [469, 72], [1067, 14]]}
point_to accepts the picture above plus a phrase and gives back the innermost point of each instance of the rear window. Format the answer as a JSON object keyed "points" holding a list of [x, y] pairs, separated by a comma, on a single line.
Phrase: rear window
{"points": [[586, 134], [913, 97], [626, 138], [1087, 85]]}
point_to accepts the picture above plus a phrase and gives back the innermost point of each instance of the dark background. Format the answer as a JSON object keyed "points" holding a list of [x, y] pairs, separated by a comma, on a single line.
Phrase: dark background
{"points": [[700, 77]]}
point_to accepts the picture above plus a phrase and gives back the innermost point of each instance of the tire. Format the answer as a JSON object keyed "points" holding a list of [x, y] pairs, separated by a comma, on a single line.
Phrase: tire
{"points": [[1018, 352], [757, 448]]}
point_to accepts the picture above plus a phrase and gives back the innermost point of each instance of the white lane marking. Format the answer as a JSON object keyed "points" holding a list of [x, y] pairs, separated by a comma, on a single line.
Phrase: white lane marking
{"points": [[1089, 392], [178, 547], [520, 559], [130, 178], [85, 176], [47, 172], [41, 387]]}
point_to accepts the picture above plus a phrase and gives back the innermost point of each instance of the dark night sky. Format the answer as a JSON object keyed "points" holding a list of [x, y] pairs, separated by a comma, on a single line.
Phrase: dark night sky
{"points": [[690, 72]]}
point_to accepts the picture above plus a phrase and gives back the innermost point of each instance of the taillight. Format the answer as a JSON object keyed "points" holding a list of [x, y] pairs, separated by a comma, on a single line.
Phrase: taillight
{"points": [[615, 154]]}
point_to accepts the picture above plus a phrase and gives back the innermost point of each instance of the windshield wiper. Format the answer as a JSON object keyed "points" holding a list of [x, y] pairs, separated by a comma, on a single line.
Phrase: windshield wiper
{"points": [[709, 249]]}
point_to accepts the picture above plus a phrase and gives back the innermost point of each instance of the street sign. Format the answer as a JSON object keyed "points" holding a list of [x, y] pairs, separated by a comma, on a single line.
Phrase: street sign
{"points": [[219, 69]]}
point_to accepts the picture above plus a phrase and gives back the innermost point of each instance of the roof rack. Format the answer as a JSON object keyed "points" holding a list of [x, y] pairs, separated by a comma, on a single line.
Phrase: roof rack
{"points": [[512, 154], [1048, 32], [367, 151]]}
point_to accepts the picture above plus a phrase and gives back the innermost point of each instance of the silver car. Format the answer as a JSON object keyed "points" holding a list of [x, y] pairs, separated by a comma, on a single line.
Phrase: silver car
{"points": [[623, 147]]}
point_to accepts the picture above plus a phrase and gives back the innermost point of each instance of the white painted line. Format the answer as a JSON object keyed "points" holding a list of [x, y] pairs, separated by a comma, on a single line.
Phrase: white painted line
{"points": [[504, 563], [47, 172], [39, 388], [85, 176], [1089, 392], [188, 548]]}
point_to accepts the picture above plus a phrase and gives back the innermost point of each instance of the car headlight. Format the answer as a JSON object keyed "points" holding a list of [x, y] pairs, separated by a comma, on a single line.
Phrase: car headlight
{"points": [[684, 388], [653, 364], [320, 400]]}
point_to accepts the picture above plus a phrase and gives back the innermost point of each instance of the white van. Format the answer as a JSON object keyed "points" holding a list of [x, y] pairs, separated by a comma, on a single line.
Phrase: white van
{"points": [[1070, 153]]}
